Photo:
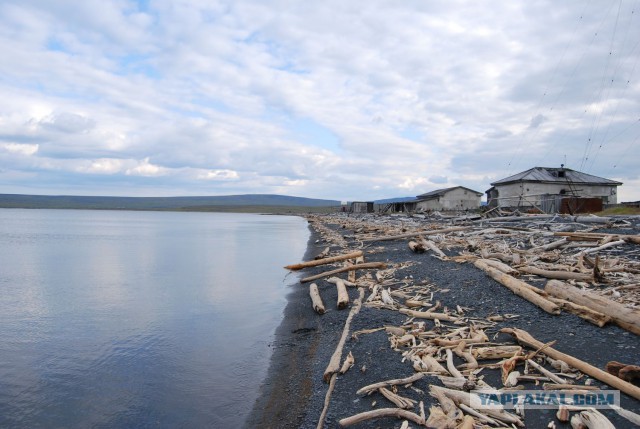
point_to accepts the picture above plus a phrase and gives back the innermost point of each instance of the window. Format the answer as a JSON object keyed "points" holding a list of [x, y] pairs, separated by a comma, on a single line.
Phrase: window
{"points": [[561, 173]]}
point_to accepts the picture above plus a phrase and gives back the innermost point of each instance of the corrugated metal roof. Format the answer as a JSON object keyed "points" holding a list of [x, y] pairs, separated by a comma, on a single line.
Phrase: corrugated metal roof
{"points": [[553, 175], [440, 192]]}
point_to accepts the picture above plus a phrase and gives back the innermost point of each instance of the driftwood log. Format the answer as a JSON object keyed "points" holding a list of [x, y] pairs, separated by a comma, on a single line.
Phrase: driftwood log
{"points": [[519, 287], [561, 275], [316, 300], [581, 311], [334, 362], [366, 265], [416, 247], [526, 339], [417, 234], [627, 318], [343, 295], [324, 261], [427, 315], [382, 413]]}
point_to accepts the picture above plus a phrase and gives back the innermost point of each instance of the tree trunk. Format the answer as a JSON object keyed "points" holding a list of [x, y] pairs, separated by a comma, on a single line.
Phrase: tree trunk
{"points": [[343, 295], [562, 275], [343, 269], [519, 287], [525, 338], [324, 261], [627, 318], [316, 300]]}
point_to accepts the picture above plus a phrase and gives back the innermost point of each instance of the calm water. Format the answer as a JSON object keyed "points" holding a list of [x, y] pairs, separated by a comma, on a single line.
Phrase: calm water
{"points": [[138, 319]]}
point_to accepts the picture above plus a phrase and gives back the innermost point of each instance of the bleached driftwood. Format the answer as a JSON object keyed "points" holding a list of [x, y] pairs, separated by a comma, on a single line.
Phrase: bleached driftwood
{"points": [[316, 300], [366, 390], [525, 338], [428, 315], [416, 247], [349, 361], [334, 362], [435, 249], [625, 317], [366, 265], [382, 413], [324, 261], [519, 287], [581, 311], [343, 295], [496, 352], [417, 234], [561, 275]]}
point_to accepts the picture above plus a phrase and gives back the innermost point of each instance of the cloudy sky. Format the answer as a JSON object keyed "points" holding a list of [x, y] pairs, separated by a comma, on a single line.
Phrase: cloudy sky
{"points": [[328, 99]]}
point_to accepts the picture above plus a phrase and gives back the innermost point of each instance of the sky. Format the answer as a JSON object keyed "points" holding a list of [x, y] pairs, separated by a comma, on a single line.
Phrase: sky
{"points": [[345, 100]]}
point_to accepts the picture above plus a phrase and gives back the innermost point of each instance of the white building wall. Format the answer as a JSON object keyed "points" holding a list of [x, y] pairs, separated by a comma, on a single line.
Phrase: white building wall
{"points": [[530, 193], [456, 199]]}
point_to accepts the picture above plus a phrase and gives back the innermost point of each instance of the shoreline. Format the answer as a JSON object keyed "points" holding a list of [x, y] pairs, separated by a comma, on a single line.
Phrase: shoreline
{"points": [[294, 348], [293, 393]]}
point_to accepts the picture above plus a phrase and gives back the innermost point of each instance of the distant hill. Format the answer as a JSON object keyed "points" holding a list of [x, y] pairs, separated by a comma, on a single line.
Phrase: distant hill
{"points": [[212, 203]]}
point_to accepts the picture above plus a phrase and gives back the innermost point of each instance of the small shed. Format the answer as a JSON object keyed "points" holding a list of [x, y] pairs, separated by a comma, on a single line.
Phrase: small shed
{"points": [[454, 198], [361, 207]]}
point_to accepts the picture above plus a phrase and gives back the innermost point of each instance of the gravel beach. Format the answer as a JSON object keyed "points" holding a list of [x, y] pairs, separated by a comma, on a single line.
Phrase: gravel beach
{"points": [[293, 395]]}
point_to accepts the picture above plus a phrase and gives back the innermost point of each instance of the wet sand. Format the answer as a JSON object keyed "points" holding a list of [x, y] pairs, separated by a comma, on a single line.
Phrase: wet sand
{"points": [[293, 394]]}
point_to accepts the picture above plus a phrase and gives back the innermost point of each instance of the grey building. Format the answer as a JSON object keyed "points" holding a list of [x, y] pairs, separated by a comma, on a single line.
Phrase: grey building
{"points": [[545, 188], [454, 198]]}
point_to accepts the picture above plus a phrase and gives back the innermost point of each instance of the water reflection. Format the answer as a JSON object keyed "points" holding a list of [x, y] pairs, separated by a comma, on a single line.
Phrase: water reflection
{"points": [[138, 319]]}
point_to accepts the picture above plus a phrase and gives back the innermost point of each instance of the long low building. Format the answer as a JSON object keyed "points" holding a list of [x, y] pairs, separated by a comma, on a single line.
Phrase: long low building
{"points": [[454, 198]]}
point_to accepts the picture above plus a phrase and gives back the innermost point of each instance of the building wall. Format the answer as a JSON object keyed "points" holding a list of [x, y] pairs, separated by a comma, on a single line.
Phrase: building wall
{"points": [[362, 207], [456, 199], [532, 193]]}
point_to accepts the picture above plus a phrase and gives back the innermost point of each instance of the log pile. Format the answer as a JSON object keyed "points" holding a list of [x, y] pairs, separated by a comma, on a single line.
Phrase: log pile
{"points": [[556, 264]]}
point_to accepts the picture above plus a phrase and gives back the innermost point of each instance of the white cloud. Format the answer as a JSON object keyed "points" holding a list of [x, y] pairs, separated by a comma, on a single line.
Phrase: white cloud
{"points": [[146, 169], [20, 148], [209, 97], [219, 175]]}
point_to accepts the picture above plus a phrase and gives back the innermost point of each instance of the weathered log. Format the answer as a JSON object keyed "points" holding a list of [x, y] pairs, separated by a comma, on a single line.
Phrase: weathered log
{"points": [[416, 247], [627, 318], [451, 367], [417, 234], [496, 352], [334, 362], [466, 355], [324, 261], [466, 398], [399, 401], [622, 370], [468, 422], [316, 300], [526, 339], [604, 246], [542, 370], [366, 390], [348, 363], [581, 311], [382, 413], [428, 315], [343, 295], [366, 265], [433, 365], [519, 287], [561, 275], [501, 267], [628, 238], [435, 249], [323, 254], [593, 419]]}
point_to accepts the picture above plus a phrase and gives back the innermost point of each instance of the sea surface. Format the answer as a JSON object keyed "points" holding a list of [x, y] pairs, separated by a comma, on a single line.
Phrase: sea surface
{"points": [[139, 319]]}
